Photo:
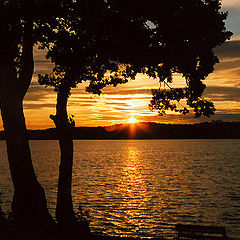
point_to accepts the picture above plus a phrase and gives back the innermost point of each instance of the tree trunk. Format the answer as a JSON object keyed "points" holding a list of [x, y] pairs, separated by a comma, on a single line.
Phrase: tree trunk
{"points": [[29, 202], [64, 211]]}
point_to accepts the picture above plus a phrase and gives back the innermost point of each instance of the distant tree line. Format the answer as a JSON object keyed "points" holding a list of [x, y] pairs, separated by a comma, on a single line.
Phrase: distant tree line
{"points": [[151, 130]]}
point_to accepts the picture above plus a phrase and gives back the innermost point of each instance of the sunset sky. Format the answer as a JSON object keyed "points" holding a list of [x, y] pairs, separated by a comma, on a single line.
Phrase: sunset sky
{"points": [[130, 101]]}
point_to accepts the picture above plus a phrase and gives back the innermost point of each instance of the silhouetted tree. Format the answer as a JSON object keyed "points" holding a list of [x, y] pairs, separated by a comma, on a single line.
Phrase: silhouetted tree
{"points": [[19, 21], [107, 42]]}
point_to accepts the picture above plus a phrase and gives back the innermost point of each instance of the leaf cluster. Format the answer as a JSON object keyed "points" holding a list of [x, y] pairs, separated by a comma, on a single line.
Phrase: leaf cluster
{"points": [[108, 42], [14, 14], [164, 100]]}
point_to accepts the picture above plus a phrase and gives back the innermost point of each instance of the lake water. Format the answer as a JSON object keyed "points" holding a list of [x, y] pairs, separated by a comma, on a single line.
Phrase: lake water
{"points": [[144, 187]]}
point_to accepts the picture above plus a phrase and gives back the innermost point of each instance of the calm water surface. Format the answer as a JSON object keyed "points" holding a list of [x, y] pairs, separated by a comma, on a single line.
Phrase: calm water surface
{"points": [[144, 187]]}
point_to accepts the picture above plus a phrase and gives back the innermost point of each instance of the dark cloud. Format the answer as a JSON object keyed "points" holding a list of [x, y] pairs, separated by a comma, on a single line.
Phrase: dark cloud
{"points": [[230, 49], [81, 101], [232, 65], [119, 90], [83, 96], [81, 104], [38, 105], [37, 87], [230, 117], [223, 93], [189, 118], [128, 91], [127, 98], [37, 92], [109, 118], [42, 65]]}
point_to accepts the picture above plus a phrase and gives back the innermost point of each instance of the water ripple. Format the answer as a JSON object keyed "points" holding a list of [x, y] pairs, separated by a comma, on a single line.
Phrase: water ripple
{"points": [[142, 188]]}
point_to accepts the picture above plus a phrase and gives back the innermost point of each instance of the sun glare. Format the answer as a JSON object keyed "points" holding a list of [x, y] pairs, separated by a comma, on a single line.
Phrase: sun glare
{"points": [[132, 120]]}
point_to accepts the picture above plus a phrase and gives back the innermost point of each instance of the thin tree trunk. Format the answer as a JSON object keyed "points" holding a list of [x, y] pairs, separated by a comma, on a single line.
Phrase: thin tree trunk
{"points": [[64, 211], [29, 202]]}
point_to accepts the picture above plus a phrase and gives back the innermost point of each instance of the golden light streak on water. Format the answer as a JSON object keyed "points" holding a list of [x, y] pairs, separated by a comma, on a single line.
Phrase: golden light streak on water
{"points": [[133, 189]]}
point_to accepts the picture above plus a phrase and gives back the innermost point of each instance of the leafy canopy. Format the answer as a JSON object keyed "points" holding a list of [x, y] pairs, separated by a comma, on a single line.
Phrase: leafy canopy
{"points": [[108, 42], [15, 37]]}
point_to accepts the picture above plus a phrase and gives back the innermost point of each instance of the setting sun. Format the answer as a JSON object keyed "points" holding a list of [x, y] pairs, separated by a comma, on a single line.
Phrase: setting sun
{"points": [[132, 120]]}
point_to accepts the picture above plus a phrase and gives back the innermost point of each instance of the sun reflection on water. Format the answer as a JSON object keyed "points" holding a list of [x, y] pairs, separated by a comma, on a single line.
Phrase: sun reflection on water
{"points": [[133, 190]]}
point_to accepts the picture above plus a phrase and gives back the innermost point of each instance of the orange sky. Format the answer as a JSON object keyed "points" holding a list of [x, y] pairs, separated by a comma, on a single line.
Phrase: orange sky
{"points": [[118, 105]]}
